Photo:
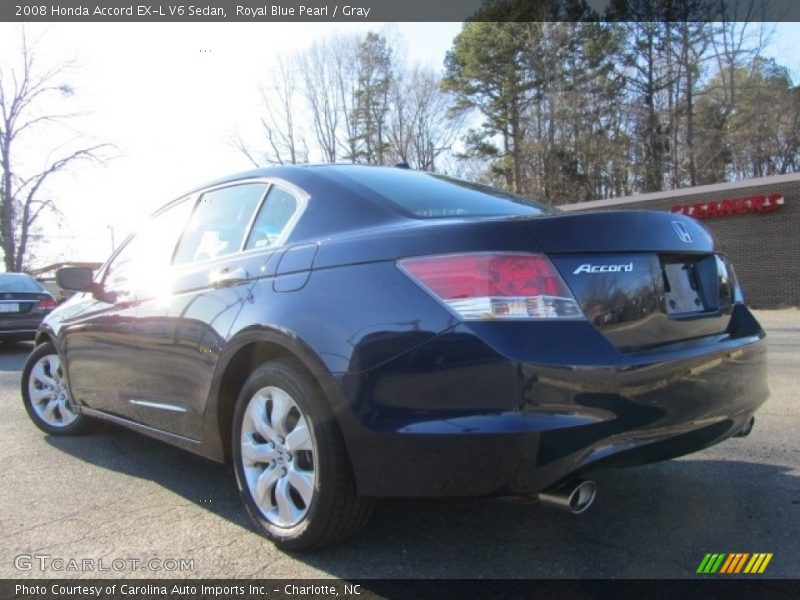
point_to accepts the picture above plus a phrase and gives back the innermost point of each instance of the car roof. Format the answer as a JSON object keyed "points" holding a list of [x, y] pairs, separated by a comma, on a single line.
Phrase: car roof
{"points": [[293, 173], [347, 197]]}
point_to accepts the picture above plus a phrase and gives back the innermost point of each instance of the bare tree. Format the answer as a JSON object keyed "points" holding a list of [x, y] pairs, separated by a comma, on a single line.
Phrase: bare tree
{"points": [[357, 101], [343, 54], [317, 88], [421, 126], [320, 78], [741, 37], [285, 143], [25, 90], [693, 41]]}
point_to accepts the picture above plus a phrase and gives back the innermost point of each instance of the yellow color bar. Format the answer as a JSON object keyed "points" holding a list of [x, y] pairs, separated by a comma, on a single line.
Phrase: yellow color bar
{"points": [[756, 558], [758, 562], [765, 563]]}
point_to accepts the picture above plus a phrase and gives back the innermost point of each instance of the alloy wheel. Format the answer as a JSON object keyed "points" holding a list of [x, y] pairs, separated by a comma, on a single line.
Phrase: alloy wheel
{"points": [[279, 456], [49, 396]]}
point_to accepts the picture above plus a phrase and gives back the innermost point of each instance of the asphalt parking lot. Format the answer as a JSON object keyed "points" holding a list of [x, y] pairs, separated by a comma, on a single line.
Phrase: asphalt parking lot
{"points": [[117, 496]]}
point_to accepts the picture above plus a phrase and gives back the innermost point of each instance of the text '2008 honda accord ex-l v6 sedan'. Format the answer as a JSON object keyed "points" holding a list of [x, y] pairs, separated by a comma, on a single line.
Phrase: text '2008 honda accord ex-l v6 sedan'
{"points": [[343, 333]]}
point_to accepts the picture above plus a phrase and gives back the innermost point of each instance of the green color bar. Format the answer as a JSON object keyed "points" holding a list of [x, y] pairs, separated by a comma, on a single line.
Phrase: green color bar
{"points": [[713, 563], [701, 568], [717, 564]]}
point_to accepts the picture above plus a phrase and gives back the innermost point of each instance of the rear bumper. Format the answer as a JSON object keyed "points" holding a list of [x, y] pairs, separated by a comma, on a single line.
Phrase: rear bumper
{"points": [[20, 325], [459, 416], [18, 333]]}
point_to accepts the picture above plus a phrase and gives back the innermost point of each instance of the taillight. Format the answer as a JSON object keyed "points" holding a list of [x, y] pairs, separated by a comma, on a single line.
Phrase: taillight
{"points": [[495, 285], [46, 304]]}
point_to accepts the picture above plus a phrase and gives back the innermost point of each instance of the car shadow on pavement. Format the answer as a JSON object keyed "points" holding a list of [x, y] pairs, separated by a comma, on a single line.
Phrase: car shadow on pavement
{"points": [[197, 479], [652, 521]]}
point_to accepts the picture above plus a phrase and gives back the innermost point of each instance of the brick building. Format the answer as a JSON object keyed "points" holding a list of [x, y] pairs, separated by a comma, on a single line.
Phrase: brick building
{"points": [[757, 223]]}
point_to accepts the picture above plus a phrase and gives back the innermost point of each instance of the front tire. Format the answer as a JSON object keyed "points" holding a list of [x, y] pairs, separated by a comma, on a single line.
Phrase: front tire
{"points": [[290, 462], [46, 397]]}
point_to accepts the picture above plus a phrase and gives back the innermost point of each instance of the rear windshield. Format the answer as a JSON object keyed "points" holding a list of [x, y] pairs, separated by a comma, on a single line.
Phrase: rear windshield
{"points": [[431, 196], [18, 283]]}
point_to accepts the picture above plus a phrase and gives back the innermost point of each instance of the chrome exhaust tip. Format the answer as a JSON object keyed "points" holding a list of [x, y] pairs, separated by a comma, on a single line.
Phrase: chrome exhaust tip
{"points": [[575, 497], [748, 427]]}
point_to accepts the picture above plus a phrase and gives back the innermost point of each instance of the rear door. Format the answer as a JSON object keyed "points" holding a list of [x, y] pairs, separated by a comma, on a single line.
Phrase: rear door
{"points": [[229, 240]]}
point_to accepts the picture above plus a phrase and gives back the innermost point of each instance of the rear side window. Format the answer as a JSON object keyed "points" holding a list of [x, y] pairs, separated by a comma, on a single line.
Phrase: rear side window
{"points": [[219, 223], [272, 219], [431, 196]]}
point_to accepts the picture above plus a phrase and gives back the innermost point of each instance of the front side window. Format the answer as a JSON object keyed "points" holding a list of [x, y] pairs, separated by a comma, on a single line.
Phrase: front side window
{"points": [[219, 223], [145, 257]]}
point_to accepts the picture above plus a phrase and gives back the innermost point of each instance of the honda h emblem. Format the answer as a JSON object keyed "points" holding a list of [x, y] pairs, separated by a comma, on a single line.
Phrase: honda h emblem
{"points": [[682, 231]]}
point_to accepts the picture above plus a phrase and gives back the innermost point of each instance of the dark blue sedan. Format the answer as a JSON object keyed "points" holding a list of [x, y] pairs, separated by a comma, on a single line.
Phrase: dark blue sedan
{"points": [[342, 333], [24, 302]]}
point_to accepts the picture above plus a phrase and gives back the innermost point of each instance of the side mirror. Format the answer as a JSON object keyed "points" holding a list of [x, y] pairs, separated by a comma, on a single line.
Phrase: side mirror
{"points": [[76, 279]]}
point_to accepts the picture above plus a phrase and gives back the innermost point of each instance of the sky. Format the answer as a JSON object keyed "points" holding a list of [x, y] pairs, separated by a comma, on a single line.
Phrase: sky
{"points": [[169, 96]]}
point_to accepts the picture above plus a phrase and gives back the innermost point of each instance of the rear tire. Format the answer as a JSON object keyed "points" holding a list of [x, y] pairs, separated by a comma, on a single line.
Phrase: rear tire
{"points": [[291, 465], [46, 396]]}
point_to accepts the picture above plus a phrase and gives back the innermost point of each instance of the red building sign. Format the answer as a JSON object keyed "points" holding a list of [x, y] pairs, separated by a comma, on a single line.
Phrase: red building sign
{"points": [[736, 206]]}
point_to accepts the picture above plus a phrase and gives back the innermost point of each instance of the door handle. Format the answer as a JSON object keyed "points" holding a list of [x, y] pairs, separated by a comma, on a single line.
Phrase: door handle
{"points": [[225, 277]]}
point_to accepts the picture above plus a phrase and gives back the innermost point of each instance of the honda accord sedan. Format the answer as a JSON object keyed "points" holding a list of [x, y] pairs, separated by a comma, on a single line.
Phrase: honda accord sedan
{"points": [[344, 333]]}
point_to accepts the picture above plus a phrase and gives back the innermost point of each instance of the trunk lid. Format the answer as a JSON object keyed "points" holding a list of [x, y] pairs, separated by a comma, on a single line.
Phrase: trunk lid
{"points": [[637, 275], [642, 278], [621, 231], [19, 305]]}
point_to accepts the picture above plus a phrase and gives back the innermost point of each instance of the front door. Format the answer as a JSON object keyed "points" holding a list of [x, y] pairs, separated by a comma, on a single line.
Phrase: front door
{"points": [[99, 330]]}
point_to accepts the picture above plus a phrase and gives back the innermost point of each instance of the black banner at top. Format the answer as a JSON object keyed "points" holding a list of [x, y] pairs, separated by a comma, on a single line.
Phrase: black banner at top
{"points": [[153, 11]]}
